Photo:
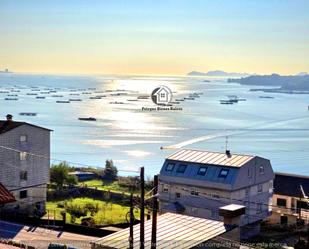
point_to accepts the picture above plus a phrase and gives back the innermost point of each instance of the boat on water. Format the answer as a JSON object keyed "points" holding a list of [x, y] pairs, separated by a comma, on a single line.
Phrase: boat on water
{"points": [[12, 95], [179, 100], [189, 98], [116, 103], [86, 92], [226, 102], [28, 114], [74, 94], [32, 94], [40, 97], [63, 101], [132, 99], [11, 99], [143, 97], [96, 97], [88, 119], [266, 97], [57, 96], [75, 100]]}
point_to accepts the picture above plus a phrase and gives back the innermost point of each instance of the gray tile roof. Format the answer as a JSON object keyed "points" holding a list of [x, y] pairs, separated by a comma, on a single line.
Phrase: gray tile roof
{"points": [[5, 127], [173, 231], [207, 157]]}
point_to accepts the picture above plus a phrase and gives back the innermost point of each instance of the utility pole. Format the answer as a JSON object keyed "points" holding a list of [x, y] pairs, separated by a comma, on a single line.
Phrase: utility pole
{"points": [[154, 214], [142, 217], [131, 223]]}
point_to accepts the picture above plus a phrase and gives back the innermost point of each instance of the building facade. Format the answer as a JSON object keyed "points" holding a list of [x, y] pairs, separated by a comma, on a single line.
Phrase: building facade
{"points": [[290, 199], [24, 165], [198, 183]]}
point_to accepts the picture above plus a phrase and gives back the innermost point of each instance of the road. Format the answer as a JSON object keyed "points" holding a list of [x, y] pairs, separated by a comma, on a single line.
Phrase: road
{"points": [[41, 237]]}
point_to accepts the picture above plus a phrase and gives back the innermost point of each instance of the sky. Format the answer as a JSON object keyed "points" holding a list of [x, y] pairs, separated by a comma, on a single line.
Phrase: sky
{"points": [[156, 37]]}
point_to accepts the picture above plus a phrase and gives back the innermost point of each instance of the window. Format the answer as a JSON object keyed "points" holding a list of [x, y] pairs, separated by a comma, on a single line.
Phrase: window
{"points": [[259, 208], [202, 171], [162, 95], [247, 191], [165, 188], [170, 166], [281, 202], [23, 156], [181, 168], [23, 175], [261, 170], [260, 188], [223, 173], [194, 192], [23, 194], [23, 138], [178, 195]]}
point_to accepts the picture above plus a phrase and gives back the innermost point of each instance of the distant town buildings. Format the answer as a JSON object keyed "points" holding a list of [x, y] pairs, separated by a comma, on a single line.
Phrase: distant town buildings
{"points": [[24, 165], [198, 183], [290, 199]]}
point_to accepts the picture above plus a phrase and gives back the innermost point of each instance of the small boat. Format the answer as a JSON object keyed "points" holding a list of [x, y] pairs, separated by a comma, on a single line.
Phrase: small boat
{"points": [[63, 101], [179, 100], [40, 97], [96, 97], [44, 92], [266, 97], [116, 103], [143, 97], [75, 100], [226, 102], [189, 98], [12, 95], [74, 94], [86, 92], [57, 96], [132, 99], [32, 94], [11, 99], [28, 114], [175, 102], [88, 119], [92, 88]]}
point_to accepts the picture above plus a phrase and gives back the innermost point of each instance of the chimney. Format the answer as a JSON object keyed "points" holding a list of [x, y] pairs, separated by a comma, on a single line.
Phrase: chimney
{"points": [[9, 117], [228, 153], [232, 218]]}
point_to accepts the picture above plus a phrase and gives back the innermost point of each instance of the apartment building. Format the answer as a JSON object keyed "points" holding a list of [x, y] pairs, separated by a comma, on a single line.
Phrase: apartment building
{"points": [[290, 199], [198, 183], [24, 165]]}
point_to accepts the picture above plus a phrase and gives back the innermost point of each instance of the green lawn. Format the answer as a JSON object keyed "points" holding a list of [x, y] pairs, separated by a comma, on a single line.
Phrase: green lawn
{"points": [[109, 213], [112, 186]]}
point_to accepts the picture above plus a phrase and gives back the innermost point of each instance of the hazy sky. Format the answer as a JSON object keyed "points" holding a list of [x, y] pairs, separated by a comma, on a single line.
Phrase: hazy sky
{"points": [[154, 36]]}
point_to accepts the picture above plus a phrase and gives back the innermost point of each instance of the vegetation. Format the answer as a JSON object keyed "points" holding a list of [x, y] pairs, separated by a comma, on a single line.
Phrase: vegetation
{"points": [[100, 212], [59, 175], [110, 172]]}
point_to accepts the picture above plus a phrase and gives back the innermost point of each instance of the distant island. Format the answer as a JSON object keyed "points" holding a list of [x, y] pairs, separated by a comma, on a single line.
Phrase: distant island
{"points": [[217, 73], [284, 84], [5, 71]]}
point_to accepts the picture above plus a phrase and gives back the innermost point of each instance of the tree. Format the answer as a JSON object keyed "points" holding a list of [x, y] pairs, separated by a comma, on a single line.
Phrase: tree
{"points": [[59, 174], [110, 171]]}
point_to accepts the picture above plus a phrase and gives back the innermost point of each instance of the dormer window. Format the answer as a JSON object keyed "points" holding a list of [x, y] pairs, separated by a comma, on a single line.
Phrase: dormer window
{"points": [[202, 171], [170, 166], [23, 138], [261, 170], [223, 173], [181, 168]]}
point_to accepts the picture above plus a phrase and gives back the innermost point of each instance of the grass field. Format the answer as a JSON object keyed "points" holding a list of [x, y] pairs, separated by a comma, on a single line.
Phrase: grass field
{"points": [[112, 186], [109, 213]]}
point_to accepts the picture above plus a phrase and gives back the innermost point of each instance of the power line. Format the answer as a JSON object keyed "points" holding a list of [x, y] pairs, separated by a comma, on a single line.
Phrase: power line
{"points": [[60, 160]]}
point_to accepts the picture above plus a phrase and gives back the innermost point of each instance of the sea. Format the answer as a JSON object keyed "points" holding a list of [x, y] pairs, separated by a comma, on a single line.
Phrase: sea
{"points": [[133, 133]]}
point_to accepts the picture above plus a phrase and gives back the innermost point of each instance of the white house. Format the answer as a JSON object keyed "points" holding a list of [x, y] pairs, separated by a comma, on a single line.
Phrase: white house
{"points": [[198, 183], [24, 165], [162, 96]]}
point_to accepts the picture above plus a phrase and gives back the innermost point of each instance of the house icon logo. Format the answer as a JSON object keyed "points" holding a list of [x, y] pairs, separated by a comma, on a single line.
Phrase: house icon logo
{"points": [[161, 95]]}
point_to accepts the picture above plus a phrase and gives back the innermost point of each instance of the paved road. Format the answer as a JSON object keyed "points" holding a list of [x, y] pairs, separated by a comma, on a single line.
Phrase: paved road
{"points": [[41, 237]]}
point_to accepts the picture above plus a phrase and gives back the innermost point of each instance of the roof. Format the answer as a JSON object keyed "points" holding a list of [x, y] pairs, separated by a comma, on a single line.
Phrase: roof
{"points": [[15, 124], [289, 184], [173, 231], [81, 173], [207, 157], [5, 195]]}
